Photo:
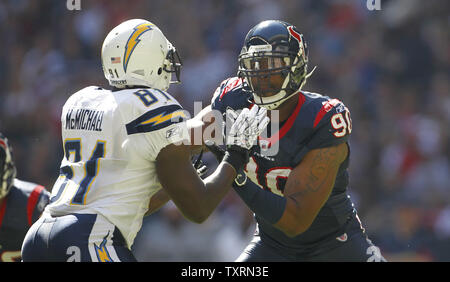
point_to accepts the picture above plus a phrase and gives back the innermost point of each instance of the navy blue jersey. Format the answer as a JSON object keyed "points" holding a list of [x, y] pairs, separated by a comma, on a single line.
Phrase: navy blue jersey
{"points": [[19, 210], [316, 122]]}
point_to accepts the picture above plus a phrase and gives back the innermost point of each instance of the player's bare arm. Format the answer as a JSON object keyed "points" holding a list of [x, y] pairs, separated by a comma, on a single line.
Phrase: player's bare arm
{"points": [[309, 186], [200, 128], [196, 125], [197, 198]]}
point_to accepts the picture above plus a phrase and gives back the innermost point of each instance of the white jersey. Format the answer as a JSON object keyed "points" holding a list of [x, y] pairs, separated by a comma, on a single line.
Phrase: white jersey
{"points": [[111, 140]]}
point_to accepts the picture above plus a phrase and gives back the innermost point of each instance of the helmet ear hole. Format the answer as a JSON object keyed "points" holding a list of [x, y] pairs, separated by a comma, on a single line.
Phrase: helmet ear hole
{"points": [[159, 71]]}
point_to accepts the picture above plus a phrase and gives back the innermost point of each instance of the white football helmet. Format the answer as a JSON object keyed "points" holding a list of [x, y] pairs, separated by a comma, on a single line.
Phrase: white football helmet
{"points": [[136, 53]]}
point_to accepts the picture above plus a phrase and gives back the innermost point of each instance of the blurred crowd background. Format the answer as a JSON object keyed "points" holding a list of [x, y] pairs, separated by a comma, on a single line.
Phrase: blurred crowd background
{"points": [[389, 66]]}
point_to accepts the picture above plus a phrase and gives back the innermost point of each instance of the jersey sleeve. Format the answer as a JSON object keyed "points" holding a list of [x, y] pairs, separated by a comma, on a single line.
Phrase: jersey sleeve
{"points": [[172, 134], [160, 127], [231, 93], [333, 129], [331, 126], [43, 200]]}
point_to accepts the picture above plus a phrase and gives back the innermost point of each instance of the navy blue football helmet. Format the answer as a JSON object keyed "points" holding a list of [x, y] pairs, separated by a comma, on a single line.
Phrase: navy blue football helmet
{"points": [[273, 49]]}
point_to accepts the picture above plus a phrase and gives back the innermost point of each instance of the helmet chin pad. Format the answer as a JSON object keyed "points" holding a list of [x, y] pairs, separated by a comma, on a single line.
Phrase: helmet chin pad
{"points": [[272, 102]]}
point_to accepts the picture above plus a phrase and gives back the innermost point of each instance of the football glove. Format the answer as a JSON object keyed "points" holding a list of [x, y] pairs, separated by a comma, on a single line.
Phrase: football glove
{"points": [[219, 153], [246, 126], [245, 129]]}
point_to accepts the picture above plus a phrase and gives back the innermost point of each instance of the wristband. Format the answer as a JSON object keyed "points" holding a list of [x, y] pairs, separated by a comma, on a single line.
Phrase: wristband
{"points": [[241, 178], [237, 157]]}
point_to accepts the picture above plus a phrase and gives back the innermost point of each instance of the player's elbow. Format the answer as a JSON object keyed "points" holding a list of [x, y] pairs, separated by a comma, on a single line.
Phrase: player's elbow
{"points": [[194, 210], [198, 216], [197, 219], [295, 221]]}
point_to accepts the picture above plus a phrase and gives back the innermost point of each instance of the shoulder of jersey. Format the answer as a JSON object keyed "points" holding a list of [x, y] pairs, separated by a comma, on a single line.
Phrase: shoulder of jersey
{"points": [[147, 109], [231, 93], [84, 91], [88, 97], [144, 99], [132, 102], [27, 188], [141, 109], [317, 109]]}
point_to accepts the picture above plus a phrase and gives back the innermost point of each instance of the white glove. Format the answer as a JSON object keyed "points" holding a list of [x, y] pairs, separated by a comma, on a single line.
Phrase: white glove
{"points": [[246, 126]]}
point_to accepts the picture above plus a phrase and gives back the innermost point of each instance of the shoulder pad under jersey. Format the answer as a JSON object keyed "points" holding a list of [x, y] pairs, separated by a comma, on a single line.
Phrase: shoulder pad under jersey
{"points": [[231, 93]]}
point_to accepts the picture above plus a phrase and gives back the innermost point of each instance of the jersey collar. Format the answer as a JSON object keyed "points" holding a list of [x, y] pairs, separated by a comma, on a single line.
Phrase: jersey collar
{"points": [[287, 125]]}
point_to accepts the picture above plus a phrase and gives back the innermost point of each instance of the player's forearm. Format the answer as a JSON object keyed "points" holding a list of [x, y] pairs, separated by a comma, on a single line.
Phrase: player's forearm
{"points": [[308, 187], [294, 220], [273, 208], [263, 203], [194, 197], [283, 212], [216, 187], [302, 208], [199, 202]]}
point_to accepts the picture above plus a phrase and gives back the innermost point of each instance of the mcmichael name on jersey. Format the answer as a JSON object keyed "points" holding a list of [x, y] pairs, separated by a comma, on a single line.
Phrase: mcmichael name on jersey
{"points": [[84, 119]]}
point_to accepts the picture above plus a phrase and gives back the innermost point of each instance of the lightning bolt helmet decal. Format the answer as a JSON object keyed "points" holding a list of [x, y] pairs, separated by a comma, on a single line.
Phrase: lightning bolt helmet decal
{"points": [[133, 41]]}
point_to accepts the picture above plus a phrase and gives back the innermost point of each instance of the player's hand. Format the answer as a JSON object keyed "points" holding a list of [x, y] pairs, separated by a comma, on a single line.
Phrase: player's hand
{"points": [[246, 126], [244, 132], [217, 151]]}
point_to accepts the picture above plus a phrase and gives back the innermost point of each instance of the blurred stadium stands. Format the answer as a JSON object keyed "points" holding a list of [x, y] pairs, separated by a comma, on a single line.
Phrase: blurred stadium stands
{"points": [[390, 67]]}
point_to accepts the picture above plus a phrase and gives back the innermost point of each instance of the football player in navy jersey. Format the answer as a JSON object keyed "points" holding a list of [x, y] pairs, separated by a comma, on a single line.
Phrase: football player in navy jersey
{"points": [[296, 180], [21, 204]]}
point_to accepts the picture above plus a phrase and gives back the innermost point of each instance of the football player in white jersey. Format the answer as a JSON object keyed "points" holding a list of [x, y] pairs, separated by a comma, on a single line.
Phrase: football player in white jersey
{"points": [[125, 145]]}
